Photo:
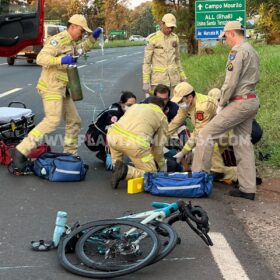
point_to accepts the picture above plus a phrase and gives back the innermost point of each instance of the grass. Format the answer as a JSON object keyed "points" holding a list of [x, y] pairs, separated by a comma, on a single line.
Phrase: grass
{"points": [[206, 71]]}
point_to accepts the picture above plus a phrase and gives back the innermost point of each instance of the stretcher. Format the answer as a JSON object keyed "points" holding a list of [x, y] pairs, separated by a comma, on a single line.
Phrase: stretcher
{"points": [[15, 121]]}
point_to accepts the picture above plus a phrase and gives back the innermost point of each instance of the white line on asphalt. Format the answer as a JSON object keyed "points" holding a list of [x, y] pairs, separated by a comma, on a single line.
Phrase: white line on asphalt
{"points": [[225, 258], [101, 60], [137, 53], [4, 63], [17, 267], [82, 66], [9, 92], [179, 259], [122, 55]]}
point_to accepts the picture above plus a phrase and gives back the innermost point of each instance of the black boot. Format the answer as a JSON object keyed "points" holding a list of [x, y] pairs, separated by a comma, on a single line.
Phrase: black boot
{"points": [[217, 176], [19, 160], [119, 173], [239, 193]]}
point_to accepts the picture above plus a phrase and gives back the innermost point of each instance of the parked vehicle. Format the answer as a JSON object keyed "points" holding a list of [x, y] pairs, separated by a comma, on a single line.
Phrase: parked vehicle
{"points": [[136, 38]]}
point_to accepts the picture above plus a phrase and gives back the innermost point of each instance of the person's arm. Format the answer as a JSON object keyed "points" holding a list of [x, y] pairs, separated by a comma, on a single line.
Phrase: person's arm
{"points": [[160, 139], [177, 121], [148, 55], [234, 67], [202, 116], [50, 54], [178, 62]]}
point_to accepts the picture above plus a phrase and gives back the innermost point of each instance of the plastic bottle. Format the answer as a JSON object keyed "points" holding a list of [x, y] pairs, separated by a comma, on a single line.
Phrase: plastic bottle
{"points": [[60, 223]]}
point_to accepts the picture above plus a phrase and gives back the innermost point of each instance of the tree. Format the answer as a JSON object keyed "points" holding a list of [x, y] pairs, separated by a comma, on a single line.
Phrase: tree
{"points": [[144, 25]]}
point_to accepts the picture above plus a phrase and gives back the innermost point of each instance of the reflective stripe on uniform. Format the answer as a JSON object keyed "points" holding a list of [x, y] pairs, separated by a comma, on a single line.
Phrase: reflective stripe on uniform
{"points": [[52, 97], [147, 158], [54, 61], [36, 133], [42, 85], [64, 41], [159, 69], [70, 140], [153, 38], [153, 107], [62, 77], [130, 136]]}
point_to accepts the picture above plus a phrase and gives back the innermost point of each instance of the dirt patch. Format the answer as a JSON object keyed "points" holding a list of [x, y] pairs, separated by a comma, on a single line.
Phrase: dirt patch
{"points": [[262, 220]]}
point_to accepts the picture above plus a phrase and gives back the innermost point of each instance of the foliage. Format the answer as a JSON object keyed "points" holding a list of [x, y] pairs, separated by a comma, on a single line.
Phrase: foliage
{"points": [[56, 10], [144, 24], [207, 71]]}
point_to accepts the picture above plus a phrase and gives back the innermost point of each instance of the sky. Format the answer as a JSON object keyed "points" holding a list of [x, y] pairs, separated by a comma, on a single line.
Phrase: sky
{"points": [[135, 3]]}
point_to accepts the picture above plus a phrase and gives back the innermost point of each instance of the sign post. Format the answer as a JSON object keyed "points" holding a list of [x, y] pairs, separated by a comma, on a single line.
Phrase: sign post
{"points": [[211, 16]]}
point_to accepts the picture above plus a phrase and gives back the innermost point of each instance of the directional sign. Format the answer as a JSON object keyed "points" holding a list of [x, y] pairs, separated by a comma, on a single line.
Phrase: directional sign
{"points": [[211, 16]]}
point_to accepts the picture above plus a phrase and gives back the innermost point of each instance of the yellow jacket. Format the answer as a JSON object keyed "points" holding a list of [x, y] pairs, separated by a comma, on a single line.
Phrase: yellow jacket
{"points": [[143, 125], [201, 112], [53, 79], [162, 62]]}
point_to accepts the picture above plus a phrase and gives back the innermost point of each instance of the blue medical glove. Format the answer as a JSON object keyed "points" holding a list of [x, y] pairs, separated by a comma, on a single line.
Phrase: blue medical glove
{"points": [[109, 163], [67, 59], [96, 33]]}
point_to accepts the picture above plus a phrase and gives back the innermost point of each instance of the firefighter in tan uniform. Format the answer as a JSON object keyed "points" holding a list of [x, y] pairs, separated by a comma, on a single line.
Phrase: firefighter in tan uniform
{"points": [[162, 64], [200, 109], [237, 108], [54, 58], [140, 134]]}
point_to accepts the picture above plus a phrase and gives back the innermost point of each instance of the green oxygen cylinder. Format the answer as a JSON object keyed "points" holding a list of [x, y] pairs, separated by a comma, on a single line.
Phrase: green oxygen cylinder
{"points": [[74, 84]]}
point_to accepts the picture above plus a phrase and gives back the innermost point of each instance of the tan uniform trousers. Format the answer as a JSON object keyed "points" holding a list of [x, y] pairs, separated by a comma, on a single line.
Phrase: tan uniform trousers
{"points": [[56, 107], [237, 115], [142, 158], [218, 165]]}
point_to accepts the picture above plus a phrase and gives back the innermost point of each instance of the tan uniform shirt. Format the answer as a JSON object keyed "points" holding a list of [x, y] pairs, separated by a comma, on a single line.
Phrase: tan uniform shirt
{"points": [[144, 124], [201, 112], [53, 79], [242, 72], [162, 60]]}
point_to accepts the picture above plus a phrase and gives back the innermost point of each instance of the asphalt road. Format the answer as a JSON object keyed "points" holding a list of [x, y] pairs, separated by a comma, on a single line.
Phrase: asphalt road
{"points": [[28, 205]]}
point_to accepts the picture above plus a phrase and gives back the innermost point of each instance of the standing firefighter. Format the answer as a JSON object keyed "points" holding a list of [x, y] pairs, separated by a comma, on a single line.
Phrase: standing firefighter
{"points": [[57, 53], [237, 108], [162, 63], [140, 134]]}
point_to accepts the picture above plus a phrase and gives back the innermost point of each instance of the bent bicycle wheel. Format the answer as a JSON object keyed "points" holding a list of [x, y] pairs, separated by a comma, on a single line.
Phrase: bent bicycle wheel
{"points": [[120, 246], [87, 246]]}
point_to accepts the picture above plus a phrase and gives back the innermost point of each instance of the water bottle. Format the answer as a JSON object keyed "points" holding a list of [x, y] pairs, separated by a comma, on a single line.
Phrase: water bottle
{"points": [[60, 223]]}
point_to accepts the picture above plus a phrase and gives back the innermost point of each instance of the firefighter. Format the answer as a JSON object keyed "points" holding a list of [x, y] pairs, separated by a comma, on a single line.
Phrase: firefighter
{"points": [[57, 53], [95, 138], [140, 134], [162, 63], [237, 109]]}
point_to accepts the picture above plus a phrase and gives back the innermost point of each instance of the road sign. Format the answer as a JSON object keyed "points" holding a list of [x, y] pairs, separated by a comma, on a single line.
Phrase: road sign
{"points": [[211, 16], [118, 32]]}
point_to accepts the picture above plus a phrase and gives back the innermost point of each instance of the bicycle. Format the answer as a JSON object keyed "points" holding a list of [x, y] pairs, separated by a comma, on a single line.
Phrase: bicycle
{"points": [[116, 247]]}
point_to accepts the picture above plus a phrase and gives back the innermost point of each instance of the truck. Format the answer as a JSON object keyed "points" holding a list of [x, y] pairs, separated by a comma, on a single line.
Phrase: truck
{"points": [[30, 53]]}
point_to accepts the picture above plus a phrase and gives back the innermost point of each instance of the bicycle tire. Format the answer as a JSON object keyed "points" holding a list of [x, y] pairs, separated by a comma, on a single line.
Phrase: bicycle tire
{"points": [[172, 242], [160, 228], [94, 227]]}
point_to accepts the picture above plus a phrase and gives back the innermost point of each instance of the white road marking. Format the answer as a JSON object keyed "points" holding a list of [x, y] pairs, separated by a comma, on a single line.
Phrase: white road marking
{"points": [[121, 55], [82, 66], [3, 63], [137, 53], [17, 267], [9, 92], [101, 60], [228, 264], [179, 259]]}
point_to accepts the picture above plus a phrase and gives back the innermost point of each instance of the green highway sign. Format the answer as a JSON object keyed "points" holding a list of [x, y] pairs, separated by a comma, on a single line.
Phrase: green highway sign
{"points": [[211, 16]]}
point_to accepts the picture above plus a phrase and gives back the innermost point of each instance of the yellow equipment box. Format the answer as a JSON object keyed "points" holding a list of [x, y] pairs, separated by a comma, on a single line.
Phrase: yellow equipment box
{"points": [[135, 185]]}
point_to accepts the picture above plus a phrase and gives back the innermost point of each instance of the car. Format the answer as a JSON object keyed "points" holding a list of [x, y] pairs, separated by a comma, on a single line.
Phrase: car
{"points": [[136, 38]]}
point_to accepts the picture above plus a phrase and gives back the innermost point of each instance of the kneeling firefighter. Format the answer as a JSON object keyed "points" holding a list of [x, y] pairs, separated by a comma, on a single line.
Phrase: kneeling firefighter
{"points": [[140, 134]]}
